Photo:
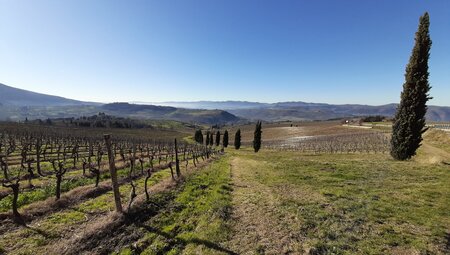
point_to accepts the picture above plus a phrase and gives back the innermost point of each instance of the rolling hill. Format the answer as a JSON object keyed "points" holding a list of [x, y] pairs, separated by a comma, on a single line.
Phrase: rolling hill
{"points": [[169, 113], [224, 105], [18, 104], [209, 117], [10, 96], [306, 111], [324, 111]]}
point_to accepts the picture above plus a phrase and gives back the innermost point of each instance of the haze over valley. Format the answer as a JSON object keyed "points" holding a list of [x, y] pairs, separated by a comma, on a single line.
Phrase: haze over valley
{"points": [[19, 104]]}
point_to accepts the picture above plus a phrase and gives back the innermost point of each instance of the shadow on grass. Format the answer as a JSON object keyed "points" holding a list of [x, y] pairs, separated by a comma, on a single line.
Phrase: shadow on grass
{"points": [[182, 242], [41, 232], [447, 242]]}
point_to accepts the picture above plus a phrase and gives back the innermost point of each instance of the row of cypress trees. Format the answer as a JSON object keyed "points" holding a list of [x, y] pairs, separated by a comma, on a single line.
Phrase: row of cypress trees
{"points": [[409, 122], [198, 137]]}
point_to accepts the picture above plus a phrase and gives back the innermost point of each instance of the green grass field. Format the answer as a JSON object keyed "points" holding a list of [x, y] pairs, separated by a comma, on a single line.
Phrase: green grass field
{"points": [[339, 204]]}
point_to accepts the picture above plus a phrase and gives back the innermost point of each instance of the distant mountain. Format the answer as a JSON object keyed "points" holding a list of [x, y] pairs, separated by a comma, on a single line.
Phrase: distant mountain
{"points": [[18, 104], [212, 105], [10, 96], [306, 111], [128, 108], [325, 111]]}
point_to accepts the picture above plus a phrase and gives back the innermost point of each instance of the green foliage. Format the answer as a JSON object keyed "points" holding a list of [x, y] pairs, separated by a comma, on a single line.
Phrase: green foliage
{"points": [[410, 117], [100, 120], [198, 136], [42, 193], [237, 139], [225, 139], [375, 118], [211, 139], [66, 217], [207, 138], [217, 138], [257, 137]]}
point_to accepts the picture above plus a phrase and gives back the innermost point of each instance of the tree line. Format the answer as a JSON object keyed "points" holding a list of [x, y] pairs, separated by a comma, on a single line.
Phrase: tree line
{"points": [[209, 140], [100, 120]]}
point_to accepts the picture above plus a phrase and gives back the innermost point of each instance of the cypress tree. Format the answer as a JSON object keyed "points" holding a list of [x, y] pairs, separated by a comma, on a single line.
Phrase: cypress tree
{"points": [[409, 121], [217, 138], [225, 139], [211, 139], [207, 138], [237, 139], [257, 137], [198, 136]]}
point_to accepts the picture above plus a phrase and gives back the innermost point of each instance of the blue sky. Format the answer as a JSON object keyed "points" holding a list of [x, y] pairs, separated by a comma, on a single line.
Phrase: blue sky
{"points": [[348, 51]]}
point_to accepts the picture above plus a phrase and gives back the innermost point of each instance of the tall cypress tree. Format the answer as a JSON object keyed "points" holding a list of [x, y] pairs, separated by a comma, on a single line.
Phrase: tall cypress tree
{"points": [[237, 139], [225, 139], [257, 137], [409, 120], [207, 138], [217, 138], [198, 136]]}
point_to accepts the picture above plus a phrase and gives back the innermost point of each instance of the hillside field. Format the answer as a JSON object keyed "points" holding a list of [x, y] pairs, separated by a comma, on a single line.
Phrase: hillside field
{"points": [[276, 201]]}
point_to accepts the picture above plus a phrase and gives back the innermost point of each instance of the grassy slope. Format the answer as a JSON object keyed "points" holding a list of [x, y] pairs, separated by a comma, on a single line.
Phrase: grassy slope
{"points": [[50, 229], [195, 221], [322, 204], [340, 204], [284, 202], [438, 138], [47, 185], [191, 218]]}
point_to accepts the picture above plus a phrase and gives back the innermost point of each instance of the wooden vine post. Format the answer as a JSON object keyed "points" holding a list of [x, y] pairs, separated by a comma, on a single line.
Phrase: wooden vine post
{"points": [[112, 171]]}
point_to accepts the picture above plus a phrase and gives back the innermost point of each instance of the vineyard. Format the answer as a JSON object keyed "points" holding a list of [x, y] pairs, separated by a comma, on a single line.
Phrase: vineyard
{"points": [[45, 171], [367, 142], [321, 137]]}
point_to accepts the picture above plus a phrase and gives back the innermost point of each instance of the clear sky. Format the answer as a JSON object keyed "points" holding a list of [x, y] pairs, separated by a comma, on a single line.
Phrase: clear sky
{"points": [[347, 51]]}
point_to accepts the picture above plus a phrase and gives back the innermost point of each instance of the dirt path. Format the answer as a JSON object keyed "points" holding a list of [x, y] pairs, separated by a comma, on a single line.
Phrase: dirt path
{"points": [[259, 227]]}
